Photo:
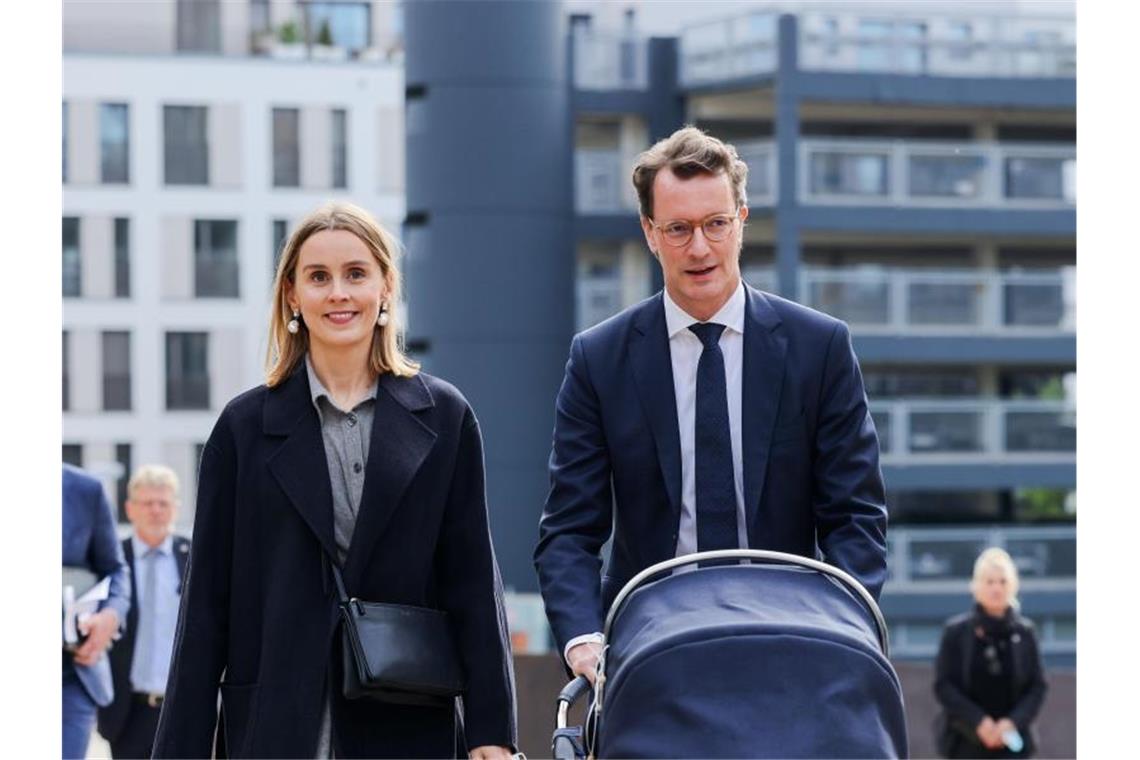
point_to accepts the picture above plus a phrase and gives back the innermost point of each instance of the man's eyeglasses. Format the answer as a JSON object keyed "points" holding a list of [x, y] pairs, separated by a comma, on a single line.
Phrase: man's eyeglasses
{"points": [[678, 233]]}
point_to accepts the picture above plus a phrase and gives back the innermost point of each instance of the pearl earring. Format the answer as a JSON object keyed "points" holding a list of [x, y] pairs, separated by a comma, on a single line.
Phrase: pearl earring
{"points": [[294, 326], [382, 320]]}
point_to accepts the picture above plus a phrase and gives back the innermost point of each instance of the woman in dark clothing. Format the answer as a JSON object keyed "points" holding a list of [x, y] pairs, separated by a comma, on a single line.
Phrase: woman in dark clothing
{"points": [[348, 454], [989, 677]]}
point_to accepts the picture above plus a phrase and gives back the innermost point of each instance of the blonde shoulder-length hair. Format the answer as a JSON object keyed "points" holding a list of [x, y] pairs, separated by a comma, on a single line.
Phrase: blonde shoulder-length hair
{"points": [[997, 559], [287, 349]]}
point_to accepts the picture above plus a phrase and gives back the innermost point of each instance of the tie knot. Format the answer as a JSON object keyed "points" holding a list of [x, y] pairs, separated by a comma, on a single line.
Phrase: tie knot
{"points": [[707, 332]]}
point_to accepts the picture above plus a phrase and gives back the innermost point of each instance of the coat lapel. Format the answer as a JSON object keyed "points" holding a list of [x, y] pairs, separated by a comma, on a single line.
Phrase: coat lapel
{"points": [[765, 352], [399, 444], [653, 373], [299, 463]]}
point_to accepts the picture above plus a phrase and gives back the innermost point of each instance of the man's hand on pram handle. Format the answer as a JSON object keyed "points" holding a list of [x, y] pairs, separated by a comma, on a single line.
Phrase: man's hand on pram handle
{"points": [[583, 660]]}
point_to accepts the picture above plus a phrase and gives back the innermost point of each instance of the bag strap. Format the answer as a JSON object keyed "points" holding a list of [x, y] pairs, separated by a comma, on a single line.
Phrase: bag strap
{"points": [[338, 579]]}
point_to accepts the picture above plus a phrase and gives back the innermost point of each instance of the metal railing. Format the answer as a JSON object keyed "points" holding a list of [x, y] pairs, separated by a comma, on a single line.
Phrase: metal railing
{"points": [[610, 61], [975, 429], [938, 45], [921, 173], [938, 554], [760, 155], [598, 298], [601, 182], [741, 46], [924, 301]]}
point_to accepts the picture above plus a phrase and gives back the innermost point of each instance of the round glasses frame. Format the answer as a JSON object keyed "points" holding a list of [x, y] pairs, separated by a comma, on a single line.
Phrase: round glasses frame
{"points": [[679, 233]]}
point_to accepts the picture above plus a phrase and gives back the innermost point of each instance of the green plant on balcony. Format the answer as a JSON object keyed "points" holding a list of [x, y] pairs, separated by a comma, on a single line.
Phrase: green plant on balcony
{"points": [[324, 35], [288, 34]]}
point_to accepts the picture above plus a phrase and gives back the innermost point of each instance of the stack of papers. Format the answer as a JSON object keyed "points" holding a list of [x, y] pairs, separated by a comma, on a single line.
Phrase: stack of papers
{"points": [[82, 594]]}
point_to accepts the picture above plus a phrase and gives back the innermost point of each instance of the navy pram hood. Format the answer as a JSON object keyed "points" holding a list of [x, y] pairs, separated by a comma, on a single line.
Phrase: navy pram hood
{"points": [[748, 661]]}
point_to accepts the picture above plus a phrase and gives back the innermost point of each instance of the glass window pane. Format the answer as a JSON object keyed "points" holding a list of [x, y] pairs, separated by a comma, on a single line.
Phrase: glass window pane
{"points": [[123, 457], [946, 431], [339, 148], [848, 174], [215, 259], [199, 25], [946, 176], [66, 379], [72, 265], [73, 454], [286, 147], [342, 25], [185, 146], [116, 371], [1040, 431], [1036, 178], [280, 233], [122, 258], [187, 373], [944, 303], [114, 136]]}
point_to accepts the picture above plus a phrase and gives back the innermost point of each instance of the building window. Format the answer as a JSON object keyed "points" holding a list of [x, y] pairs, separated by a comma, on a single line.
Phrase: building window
{"points": [[339, 148], [66, 377], [114, 138], [186, 158], [73, 454], [123, 457], [338, 24], [72, 266], [215, 259], [116, 371], [64, 130], [122, 258], [286, 147], [199, 26], [280, 234], [187, 373]]}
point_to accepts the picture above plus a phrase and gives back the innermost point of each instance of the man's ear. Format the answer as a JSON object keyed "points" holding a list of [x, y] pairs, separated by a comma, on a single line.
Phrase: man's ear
{"points": [[647, 229]]}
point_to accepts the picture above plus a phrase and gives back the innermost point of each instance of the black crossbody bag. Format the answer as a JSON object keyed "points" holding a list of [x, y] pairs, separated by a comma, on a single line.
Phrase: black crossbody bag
{"points": [[397, 653]]}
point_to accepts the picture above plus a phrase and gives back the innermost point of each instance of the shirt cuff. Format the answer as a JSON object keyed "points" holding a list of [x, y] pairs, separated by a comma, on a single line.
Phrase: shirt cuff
{"points": [[586, 638]]}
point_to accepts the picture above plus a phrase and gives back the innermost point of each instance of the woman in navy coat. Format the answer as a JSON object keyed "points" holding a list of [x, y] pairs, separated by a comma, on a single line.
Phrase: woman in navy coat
{"points": [[288, 479]]}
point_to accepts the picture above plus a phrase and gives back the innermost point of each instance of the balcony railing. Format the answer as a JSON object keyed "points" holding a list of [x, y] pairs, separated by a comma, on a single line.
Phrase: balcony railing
{"points": [[601, 182], [610, 61], [973, 46], [975, 429], [919, 173], [929, 554], [760, 155], [598, 298], [736, 47], [926, 301]]}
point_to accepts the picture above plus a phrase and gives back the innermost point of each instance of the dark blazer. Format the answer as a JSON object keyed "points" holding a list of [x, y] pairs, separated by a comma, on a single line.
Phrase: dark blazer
{"points": [[952, 684], [259, 616], [811, 457], [113, 717], [90, 541]]}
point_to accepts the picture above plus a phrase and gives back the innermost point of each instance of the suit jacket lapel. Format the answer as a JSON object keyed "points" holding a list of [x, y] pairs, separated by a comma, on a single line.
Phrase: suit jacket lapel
{"points": [[299, 463], [765, 352], [653, 373], [133, 612], [398, 446]]}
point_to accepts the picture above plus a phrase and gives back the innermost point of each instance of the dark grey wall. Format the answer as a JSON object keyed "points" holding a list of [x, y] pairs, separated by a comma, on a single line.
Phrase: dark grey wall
{"points": [[489, 236]]}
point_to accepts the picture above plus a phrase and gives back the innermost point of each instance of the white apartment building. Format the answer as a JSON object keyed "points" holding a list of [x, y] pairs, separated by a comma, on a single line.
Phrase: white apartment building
{"points": [[195, 134]]}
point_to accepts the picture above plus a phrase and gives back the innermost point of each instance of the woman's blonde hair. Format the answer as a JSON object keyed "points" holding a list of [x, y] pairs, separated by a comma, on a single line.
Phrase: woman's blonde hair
{"points": [[287, 349], [1000, 559]]}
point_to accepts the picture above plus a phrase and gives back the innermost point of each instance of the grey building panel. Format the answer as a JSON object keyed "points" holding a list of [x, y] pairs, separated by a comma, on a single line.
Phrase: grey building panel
{"points": [[961, 349], [898, 89], [932, 221], [981, 475], [624, 226], [930, 606]]}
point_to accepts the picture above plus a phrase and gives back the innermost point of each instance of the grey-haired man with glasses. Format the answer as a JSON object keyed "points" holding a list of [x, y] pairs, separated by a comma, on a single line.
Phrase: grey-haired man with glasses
{"points": [[709, 416]]}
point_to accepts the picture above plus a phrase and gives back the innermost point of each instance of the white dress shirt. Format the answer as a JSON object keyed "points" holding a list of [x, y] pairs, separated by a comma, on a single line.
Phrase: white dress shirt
{"points": [[685, 352], [150, 677]]}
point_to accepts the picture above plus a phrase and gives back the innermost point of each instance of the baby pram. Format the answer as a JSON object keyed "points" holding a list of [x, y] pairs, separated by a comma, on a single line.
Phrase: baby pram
{"points": [[780, 657]]}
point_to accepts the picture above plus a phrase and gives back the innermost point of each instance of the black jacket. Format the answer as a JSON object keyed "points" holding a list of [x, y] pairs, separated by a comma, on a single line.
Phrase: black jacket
{"points": [[259, 617], [113, 717], [952, 680]]}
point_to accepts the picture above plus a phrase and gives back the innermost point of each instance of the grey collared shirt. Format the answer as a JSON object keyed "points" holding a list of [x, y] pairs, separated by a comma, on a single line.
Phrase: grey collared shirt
{"points": [[346, 436]]}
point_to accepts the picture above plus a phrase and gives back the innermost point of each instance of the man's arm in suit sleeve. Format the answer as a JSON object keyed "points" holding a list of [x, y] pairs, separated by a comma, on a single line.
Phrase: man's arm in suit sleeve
{"points": [[849, 499], [577, 519], [105, 556], [189, 712]]}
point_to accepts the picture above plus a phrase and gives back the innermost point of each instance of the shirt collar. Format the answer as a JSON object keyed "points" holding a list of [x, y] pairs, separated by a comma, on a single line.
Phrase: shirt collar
{"points": [[317, 390], [165, 549], [731, 315]]}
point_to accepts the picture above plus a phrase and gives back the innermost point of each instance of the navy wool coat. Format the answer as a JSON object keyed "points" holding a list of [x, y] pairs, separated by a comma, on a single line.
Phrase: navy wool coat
{"points": [[259, 619]]}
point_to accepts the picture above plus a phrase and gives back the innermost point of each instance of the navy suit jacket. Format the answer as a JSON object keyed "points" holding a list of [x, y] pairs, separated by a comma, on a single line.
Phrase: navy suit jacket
{"points": [[812, 483], [113, 717], [259, 618], [89, 541]]}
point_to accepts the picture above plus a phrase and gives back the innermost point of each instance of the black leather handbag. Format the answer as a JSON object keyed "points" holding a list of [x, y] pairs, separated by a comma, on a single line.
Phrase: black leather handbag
{"points": [[397, 653]]}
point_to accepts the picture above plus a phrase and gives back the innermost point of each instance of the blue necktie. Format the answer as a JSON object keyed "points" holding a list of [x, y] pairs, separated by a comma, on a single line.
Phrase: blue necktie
{"points": [[145, 645], [716, 490]]}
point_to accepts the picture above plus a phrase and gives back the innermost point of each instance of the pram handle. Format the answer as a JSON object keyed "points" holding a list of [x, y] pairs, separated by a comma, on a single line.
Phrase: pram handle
{"points": [[570, 694], [766, 556]]}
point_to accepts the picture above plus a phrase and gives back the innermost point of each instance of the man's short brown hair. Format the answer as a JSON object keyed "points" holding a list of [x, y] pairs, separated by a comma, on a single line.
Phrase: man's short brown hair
{"points": [[687, 153]]}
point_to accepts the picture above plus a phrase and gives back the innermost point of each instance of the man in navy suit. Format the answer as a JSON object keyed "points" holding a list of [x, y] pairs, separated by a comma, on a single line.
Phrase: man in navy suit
{"points": [[709, 416], [140, 661], [89, 542]]}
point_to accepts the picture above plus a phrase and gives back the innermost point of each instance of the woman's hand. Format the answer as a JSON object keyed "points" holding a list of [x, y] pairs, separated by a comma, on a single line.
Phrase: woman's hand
{"points": [[988, 733], [490, 752]]}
